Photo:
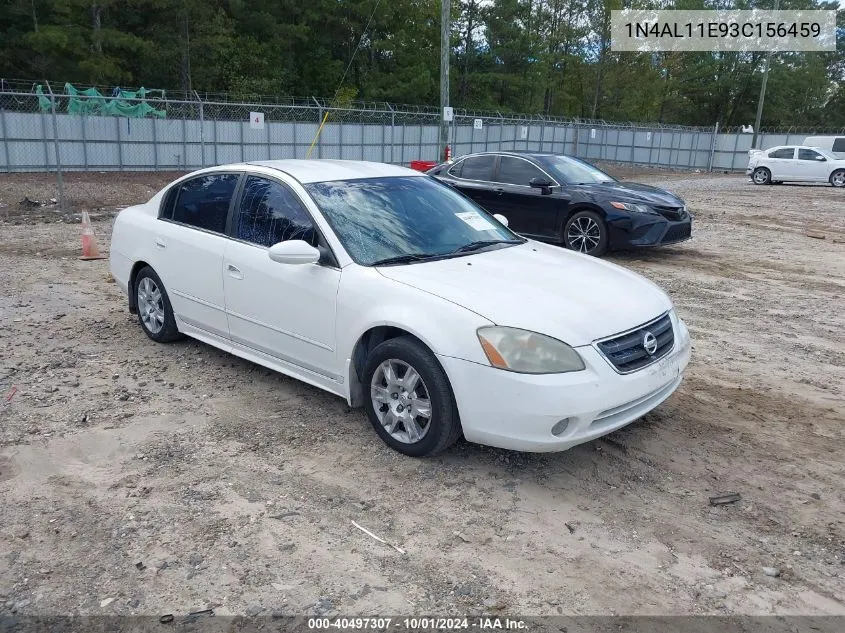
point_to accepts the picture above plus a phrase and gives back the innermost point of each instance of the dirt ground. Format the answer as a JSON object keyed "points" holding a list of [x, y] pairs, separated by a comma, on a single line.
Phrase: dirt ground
{"points": [[154, 479]]}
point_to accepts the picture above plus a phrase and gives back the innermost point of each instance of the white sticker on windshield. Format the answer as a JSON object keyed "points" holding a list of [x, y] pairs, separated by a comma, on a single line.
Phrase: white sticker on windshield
{"points": [[476, 220]]}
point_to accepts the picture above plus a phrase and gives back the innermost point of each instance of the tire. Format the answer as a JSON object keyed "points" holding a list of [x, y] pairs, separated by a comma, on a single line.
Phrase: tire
{"points": [[837, 178], [390, 413], [761, 176], [586, 232], [155, 314]]}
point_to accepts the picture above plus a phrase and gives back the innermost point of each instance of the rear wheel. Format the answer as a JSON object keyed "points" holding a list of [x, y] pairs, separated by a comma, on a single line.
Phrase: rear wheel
{"points": [[586, 232], [411, 405], [837, 178], [761, 176], [154, 310]]}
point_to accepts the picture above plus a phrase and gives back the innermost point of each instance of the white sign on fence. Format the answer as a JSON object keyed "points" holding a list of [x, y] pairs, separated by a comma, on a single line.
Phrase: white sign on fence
{"points": [[256, 120], [523, 133], [477, 124], [448, 114], [593, 133]]}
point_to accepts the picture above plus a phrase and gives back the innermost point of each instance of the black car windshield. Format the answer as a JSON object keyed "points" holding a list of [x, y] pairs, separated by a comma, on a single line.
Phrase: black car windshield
{"points": [[575, 172], [406, 219]]}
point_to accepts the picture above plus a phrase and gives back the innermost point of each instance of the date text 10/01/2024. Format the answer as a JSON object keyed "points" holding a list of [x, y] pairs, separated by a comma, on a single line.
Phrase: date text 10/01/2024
{"points": [[417, 624], [722, 29]]}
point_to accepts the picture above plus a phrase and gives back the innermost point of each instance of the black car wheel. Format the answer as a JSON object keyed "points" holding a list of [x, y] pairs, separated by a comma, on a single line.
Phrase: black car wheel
{"points": [[586, 233], [761, 176], [411, 405], [837, 178], [155, 313]]}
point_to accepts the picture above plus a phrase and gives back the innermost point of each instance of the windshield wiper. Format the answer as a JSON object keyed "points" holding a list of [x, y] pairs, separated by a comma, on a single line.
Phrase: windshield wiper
{"points": [[402, 259], [474, 246]]}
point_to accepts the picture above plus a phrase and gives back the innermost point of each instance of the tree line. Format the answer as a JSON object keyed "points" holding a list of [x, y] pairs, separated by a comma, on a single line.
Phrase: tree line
{"points": [[550, 57]]}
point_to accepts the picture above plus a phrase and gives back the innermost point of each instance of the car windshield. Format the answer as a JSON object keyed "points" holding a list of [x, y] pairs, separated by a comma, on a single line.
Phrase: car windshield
{"points": [[575, 172], [406, 218], [824, 153]]}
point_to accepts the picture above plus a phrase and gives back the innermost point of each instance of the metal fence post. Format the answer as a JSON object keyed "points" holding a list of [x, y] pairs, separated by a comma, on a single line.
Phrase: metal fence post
{"points": [[736, 150], [486, 138], [319, 123], [501, 132], [713, 142], [59, 180], [5, 139], [633, 144], [269, 147], [241, 127], [119, 144], [202, 130], [392, 131], [155, 143], [660, 148], [214, 140]]}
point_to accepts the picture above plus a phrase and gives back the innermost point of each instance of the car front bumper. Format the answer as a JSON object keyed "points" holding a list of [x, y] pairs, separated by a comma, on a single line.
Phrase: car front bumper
{"points": [[642, 230], [518, 411]]}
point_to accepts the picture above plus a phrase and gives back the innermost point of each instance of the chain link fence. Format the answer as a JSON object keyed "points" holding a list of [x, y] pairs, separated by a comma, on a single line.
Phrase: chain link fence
{"points": [[43, 128]]}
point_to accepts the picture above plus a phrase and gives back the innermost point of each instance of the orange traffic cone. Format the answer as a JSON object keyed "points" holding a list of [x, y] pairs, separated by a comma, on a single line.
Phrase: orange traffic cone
{"points": [[89, 243]]}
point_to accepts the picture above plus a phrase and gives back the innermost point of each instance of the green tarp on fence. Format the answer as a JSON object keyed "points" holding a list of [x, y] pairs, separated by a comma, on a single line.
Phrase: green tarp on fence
{"points": [[128, 103]]}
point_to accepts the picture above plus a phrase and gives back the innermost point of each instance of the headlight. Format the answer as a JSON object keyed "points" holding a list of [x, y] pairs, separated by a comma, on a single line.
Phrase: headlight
{"points": [[527, 352], [629, 206]]}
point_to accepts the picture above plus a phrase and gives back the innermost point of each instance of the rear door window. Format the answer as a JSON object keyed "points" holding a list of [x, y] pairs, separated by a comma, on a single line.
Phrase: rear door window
{"points": [[478, 168], [202, 202], [786, 152]]}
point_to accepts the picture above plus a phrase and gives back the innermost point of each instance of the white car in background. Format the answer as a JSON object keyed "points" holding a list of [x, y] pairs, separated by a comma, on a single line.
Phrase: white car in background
{"points": [[388, 288], [795, 164]]}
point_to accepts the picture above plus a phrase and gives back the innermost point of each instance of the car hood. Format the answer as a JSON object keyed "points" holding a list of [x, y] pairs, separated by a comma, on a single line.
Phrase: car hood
{"points": [[571, 297], [632, 192]]}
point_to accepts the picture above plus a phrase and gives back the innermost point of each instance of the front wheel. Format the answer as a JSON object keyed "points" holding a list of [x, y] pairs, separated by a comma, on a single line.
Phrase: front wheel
{"points": [[837, 178], [411, 405], [761, 176], [586, 233]]}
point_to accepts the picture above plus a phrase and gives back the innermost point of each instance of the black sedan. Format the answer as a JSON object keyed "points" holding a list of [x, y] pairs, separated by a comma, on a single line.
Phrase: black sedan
{"points": [[563, 199]]}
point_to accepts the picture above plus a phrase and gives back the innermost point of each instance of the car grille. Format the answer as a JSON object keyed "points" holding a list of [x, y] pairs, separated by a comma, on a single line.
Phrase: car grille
{"points": [[671, 213], [627, 352], [677, 233]]}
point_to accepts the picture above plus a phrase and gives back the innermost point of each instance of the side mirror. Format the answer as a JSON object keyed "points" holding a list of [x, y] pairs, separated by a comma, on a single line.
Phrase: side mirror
{"points": [[543, 184], [294, 252], [501, 218], [821, 159]]}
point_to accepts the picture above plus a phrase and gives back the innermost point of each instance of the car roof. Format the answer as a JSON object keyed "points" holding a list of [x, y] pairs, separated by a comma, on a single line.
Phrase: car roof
{"points": [[793, 147], [514, 152], [323, 170]]}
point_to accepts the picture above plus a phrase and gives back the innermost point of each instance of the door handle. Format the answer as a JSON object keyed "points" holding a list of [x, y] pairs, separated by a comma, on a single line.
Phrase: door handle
{"points": [[234, 271], [160, 243], [499, 191]]}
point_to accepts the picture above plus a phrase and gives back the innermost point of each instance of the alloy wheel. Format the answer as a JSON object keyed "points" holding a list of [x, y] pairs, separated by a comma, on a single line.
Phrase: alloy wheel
{"points": [[401, 401], [150, 305], [584, 234]]}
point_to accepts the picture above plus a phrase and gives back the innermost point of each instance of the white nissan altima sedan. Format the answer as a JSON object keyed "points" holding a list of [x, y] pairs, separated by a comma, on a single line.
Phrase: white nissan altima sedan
{"points": [[388, 288]]}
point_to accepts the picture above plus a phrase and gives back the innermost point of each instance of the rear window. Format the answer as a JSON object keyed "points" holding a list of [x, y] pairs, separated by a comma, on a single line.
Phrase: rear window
{"points": [[478, 168], [839, 144]]}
